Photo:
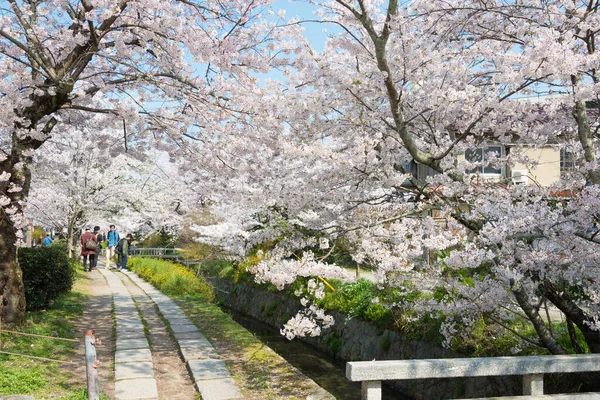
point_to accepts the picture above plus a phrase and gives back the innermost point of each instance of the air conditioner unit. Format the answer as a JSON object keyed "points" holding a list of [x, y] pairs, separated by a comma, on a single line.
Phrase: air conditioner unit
{"points": [[519, 177]]}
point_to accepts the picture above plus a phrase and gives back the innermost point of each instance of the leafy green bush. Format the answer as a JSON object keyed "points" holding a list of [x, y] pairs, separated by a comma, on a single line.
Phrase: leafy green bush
{"points": [[172, 279], [357, 299], [221, 268], [47, 273]]}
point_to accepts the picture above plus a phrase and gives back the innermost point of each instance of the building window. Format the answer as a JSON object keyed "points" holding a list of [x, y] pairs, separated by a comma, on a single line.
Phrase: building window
{"points": [[567, 162], [482, 155]]}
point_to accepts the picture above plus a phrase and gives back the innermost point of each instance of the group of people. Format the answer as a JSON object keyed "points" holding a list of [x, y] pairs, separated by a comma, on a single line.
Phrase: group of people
{"points": [[91, 248]]}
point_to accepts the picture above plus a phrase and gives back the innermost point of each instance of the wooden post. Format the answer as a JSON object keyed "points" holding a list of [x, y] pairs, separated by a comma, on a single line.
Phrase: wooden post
{"points": [[91, 364]]}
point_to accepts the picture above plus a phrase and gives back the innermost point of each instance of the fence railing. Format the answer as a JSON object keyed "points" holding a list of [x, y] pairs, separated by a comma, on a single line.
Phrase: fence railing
{"points": [[532, 368], [91, 361], [158, 252]]}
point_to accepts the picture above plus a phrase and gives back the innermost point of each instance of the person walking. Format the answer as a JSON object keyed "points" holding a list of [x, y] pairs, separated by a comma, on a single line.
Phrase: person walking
{"points": [[98, 234], [123, 251], [89, 246], [47, 240], [100, 237], [112, 236]]}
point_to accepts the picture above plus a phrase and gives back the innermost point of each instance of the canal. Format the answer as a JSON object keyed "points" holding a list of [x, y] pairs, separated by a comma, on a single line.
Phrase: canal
{"points": [[327, 372]]}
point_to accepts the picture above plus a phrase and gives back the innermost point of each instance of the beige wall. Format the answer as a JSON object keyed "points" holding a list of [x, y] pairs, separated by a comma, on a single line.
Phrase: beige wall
{"points": [[547, 171]]}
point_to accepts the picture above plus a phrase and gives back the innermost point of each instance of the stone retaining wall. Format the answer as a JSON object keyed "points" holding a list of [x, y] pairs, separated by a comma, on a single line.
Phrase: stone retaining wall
{"points": [[351, 339]]}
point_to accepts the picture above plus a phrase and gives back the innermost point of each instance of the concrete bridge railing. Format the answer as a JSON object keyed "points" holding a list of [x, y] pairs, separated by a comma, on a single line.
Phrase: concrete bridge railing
{"points": [[532, 368]]}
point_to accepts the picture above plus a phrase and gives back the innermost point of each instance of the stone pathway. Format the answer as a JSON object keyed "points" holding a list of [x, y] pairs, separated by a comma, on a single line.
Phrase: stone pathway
{"points": [[134, 368]]}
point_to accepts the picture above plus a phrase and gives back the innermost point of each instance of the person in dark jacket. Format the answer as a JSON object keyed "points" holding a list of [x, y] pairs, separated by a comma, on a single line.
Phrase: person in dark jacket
{"points": [[123, 251], [88, 251]]}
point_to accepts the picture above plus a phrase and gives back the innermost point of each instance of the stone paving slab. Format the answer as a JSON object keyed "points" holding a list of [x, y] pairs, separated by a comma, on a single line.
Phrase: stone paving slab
{"points": [[127, 319], [130, 389], [218, 389], [173, 317], [179, 321], [139, 327], [132, 343], [208, 369], [130, 312], [134, 322], [155, 294], [201, 353], [125, 309], [131, 335], [183, 328], [171, 311], [209, 373], [164, 301], [202, 342], [188, 335], [133, 370], [122, 310], [123, 356]]}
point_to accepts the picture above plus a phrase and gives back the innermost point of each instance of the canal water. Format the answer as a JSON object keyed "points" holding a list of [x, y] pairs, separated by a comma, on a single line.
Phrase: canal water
{"points": [[327, 372]]}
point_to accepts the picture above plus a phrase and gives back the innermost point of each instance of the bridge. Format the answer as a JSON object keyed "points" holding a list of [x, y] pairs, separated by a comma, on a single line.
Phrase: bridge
{"points": [[156, 252], [531, 368]]}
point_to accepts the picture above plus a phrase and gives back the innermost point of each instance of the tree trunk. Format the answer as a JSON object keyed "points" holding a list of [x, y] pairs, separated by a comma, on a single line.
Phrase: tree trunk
{"points": [[562, 300], [12, 291], [538, 323], [16, 189], [70, 238]]}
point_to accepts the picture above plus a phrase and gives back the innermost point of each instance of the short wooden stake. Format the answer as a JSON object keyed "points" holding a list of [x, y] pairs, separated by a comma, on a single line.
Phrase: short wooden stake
{"points": [[91, 365]]}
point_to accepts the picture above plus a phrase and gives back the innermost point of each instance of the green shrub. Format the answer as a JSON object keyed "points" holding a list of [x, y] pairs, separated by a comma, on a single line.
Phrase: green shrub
{"points": [[219, 268], [334, 344], [356, 300], [172, 279], [47, 273], [385, 343]]}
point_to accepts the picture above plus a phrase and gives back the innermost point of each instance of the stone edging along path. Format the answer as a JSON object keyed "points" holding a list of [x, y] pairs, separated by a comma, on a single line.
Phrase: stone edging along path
{"points": [[134, 372]]}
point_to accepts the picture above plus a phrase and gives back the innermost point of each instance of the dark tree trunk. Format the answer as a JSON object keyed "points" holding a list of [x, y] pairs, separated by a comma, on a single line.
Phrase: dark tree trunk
{"points": [[12, 292], [538, 323], [563, 301]]}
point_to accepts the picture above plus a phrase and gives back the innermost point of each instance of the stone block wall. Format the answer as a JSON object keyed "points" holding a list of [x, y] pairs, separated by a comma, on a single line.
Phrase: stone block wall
{"points": [[352, 339]]}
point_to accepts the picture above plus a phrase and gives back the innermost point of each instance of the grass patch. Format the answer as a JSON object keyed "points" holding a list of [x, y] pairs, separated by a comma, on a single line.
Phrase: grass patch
{"points": [[255, 365], [44, 379], [172, 279]]}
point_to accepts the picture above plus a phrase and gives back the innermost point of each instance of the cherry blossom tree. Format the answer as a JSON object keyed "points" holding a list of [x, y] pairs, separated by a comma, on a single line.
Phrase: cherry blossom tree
{"points": [[61, 60], [77, 182], [418, 86]]}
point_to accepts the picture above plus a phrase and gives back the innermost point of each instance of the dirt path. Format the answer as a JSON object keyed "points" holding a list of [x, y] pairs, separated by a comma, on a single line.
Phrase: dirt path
{"points": [[171, 375], [170, 372], [97, 315]]}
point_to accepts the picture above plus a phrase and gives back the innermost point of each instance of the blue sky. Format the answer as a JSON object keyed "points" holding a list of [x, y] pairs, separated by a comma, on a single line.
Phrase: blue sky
{"points": [[304, 10]]}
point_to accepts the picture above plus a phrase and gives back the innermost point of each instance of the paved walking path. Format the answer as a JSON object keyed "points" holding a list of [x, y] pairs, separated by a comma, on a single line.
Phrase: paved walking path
{"points": [[134, 370]]}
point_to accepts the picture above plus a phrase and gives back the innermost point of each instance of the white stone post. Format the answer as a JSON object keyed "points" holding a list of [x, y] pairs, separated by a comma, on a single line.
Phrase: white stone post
{"points": [[533, 384], [371, 390]]}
